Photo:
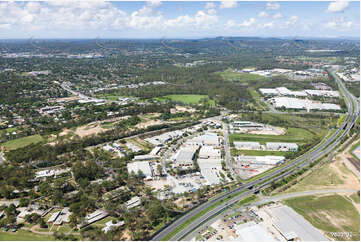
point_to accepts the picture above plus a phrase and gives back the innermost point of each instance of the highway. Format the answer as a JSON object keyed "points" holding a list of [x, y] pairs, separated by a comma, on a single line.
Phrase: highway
{"points": [[317, 152]]}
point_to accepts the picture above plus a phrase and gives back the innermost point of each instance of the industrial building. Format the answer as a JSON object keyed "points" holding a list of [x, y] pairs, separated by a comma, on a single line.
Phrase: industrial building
{"points": [[282, 146], [322, 93], [247, 145], [155, 151], [133, 202], [293, 226], [283, 91], [93, 217], [209, 152], [210, 169], [134, 148], [252, 232], [246, 124], [185, 156], [260, 160], [142, 166], [164, 138], [145, 157], [208, 138], [109, 226], [296, 103]]}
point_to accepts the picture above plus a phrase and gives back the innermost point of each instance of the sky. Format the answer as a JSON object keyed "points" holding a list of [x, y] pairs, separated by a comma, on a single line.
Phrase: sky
{"points": [[177, 19]]}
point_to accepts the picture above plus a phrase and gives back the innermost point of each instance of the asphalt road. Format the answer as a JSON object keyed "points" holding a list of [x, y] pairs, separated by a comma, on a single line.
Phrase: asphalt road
{"points": [[324, 148], [301, 194]]}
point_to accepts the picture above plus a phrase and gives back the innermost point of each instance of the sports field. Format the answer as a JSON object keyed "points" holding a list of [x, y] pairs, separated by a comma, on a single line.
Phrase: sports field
{"points": [[22, 235], [22, 142]]}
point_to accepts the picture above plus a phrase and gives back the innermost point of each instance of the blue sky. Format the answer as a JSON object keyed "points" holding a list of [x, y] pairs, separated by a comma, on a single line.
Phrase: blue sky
{"points": [[176, 19]]}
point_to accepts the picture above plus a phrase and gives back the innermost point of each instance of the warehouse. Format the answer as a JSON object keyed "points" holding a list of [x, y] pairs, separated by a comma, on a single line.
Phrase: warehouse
{"points": [[295, 103], [283, 91], [322, 93], [293, 226], [269, 91], [155, 151], [142, 166], [260, 160], [246, 124], [185, 156], [282, 146], [247, 145], [210, 169], [209, 152], [133, 202], [133, 147], [206, 139], [252, 232], [145, 157]]}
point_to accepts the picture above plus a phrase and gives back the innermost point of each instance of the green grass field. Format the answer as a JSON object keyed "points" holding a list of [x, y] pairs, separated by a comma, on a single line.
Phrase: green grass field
{"points": [[109, 97], [230, 75], [22, 142], [186, 98], [333, 213], [256, 97], [22, 235], [355, 197], [296, 135]]}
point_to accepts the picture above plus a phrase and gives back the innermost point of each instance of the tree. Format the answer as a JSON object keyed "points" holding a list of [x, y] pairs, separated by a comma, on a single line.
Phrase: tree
{"points": [[160, 169]]}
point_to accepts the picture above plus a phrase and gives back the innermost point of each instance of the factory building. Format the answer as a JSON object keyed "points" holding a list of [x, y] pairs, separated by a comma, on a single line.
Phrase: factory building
{"points": [[260, 160], [142, 166], [209, 152], [247, 145], [282, 146], [208, 138], [210, 170], [185, 156], [295, 103]]}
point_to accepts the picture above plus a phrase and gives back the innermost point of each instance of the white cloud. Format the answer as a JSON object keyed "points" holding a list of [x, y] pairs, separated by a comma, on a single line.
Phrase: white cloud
{"points": [[211, 11], [268, 25], [154, 3], [292, 20], [277, 15], [210, 5], [263, 14], [272, 5], [248, 23], [245, 24], [97, 15], [228, 4], [230, 24], [337, 6], [339, 23]]}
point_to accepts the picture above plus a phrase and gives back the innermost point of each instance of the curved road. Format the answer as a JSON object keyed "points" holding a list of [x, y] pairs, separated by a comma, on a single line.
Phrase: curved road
{"points": [[247, 189]]}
